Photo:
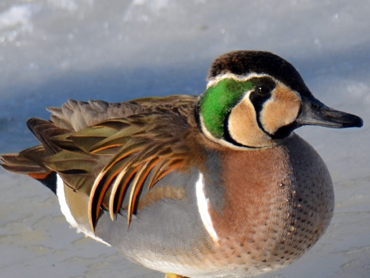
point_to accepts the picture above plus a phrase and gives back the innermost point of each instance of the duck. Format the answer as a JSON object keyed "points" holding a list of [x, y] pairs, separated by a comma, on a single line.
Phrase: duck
{"points": [[215, 185]]}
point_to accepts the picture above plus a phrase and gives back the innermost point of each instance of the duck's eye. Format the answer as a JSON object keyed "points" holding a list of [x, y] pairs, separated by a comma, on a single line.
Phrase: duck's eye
{"points": [[263, 90]]}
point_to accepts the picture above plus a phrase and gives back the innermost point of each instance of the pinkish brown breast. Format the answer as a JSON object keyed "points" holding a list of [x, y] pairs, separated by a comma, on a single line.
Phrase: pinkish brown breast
{"points": [[277, 203]]}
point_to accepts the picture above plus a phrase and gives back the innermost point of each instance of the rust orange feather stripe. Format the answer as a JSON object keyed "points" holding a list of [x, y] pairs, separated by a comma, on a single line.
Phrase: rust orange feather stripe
{"points": [[118, 189], [110, 157], [136, 186], [141, 151], [99, 189], [135, 164], [156, 170]]}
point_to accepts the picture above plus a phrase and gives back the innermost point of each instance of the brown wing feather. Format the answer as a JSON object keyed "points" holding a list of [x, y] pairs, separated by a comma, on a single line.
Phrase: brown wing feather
{"points": [[77, 115], [102, 149], [156, 147]]}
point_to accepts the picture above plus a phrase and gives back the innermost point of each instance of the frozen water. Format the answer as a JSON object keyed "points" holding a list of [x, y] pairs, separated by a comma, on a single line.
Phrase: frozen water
{"points": [[52, 50]]}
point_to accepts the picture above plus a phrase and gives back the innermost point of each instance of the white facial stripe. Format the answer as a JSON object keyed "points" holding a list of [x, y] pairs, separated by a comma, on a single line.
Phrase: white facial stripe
{"points": [[241, 78], [203, 208]]}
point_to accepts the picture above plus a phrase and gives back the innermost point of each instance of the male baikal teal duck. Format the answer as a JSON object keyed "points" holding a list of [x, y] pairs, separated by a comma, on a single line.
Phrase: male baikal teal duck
{"points": [[216, 185]]}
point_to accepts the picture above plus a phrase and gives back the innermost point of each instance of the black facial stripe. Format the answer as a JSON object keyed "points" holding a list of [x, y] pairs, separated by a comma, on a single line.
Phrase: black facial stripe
{"points": [[262, 92], [284, 131], [258, 101], [265, 85], [227, 135]]}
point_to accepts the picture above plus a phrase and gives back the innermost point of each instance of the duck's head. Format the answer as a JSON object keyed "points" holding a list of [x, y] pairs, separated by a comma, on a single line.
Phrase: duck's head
{"points": [[255, 98]]}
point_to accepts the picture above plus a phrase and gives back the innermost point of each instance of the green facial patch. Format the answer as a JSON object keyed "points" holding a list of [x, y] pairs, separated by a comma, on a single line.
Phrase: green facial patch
{"points": [[218, 100]]}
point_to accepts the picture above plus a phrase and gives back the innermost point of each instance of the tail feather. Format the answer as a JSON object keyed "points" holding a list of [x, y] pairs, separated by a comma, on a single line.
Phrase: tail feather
{"points": [[19, 164], [30, 161], [43, 131]]}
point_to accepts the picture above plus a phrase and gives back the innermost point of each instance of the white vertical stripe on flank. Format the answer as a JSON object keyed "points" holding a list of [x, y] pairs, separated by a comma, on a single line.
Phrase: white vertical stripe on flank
{"points": [[203, 208]]}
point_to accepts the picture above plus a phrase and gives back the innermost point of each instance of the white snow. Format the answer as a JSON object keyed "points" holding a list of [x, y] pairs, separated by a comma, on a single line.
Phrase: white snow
{"points": [[52, 50], [16, 21], [16, 15]]}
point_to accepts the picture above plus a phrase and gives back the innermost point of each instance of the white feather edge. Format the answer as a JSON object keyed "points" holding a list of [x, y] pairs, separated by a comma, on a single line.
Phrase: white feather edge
{"points": [[213, 81], [68, 215]]}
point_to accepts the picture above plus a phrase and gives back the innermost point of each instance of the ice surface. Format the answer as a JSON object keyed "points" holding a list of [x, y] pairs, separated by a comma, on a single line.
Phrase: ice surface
{"points": [[52, 50]]}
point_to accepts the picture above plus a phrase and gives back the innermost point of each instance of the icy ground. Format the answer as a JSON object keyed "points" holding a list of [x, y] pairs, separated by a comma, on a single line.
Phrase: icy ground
{"points": [[52, 50]]}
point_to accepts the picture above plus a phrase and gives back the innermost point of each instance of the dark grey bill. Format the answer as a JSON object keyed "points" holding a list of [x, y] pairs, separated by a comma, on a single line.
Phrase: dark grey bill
{"points": [[314, 112]]}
